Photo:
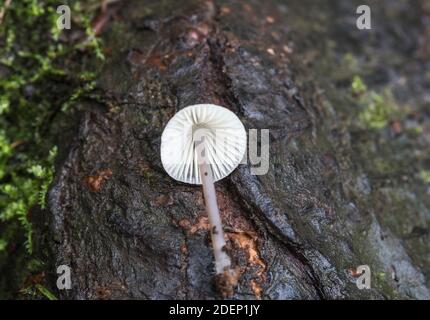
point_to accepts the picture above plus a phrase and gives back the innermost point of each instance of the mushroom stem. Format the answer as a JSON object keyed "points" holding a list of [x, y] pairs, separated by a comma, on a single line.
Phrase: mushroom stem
{"points": [[222, 260], [191, 152]]}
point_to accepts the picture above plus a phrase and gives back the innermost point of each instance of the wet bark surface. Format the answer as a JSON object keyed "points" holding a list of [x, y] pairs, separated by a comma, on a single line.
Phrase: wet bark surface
{"points": [[127, 230]]}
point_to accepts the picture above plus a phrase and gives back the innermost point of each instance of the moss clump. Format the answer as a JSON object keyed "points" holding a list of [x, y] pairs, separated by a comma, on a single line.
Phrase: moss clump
{"points": [[43, 72], [376, 113], [376, 110], [358, 86], [425, 176]]}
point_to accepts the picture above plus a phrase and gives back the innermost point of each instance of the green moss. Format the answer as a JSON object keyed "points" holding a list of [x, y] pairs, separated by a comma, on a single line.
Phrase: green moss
{"points": [[358, 86], [376, 113], [377, 110], [42, 74], [38, 290], [425, 176]]}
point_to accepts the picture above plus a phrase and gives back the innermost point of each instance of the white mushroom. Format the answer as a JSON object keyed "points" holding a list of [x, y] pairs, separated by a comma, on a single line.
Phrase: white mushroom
{"points": [[202, 144]]}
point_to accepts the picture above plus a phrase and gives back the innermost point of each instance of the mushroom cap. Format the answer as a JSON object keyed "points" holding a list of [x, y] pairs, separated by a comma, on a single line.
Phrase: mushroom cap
{"points": [[224, 138]]}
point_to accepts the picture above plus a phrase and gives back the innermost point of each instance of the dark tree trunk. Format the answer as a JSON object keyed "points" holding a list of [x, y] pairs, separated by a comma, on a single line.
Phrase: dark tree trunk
{"points": [[127, 230]]}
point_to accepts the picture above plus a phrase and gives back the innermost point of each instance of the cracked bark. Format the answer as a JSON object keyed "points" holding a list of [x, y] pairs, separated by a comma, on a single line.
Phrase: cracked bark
{"points": [[292, 232]]}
